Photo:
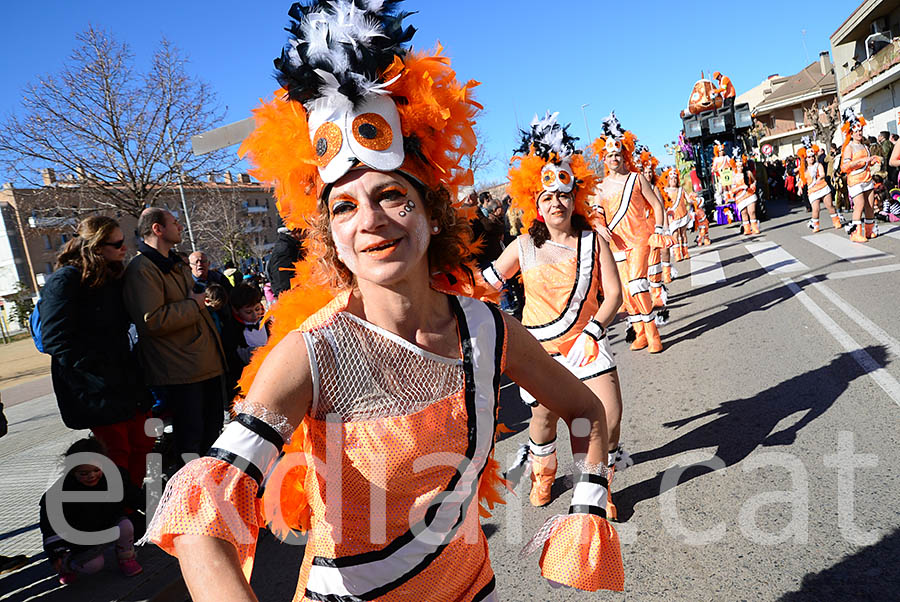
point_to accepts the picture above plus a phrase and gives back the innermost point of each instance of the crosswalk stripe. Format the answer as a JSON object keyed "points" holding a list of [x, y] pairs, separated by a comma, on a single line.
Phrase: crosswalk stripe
{"points": [[774, 259], [893, 232], [879, 269], [706, 269], [843, 248]]}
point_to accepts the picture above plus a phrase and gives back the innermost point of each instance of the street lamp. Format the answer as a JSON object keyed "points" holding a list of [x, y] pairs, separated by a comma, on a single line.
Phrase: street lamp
{"points": [[587, 129]]}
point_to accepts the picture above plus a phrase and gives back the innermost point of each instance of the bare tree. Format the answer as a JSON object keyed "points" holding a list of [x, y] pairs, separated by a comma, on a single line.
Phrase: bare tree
{"points": [[480, 159], [121, 133], [220, 223], [825, 121]]}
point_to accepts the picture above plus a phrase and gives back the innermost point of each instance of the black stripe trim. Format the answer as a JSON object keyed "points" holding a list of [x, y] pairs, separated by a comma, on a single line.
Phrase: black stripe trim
{"points": [[472, 426], [588, 509], [239, 462], [262, 429], [486, 591], [596, 479]]}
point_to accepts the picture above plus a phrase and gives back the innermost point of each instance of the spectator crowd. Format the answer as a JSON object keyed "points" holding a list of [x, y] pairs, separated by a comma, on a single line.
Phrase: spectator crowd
{"points": [[164, 336]]}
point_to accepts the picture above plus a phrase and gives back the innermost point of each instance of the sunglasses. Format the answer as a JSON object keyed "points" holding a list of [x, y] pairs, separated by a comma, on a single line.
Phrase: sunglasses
{"points": [[116, 245]]}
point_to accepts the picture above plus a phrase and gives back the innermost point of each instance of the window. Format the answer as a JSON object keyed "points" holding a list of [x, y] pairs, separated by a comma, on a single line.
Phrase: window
{"points": [[64, 238], [798, 117], [48, 244]]}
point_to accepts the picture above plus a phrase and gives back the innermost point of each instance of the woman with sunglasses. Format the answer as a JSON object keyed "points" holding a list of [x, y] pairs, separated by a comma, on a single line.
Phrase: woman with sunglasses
{"points": [[84, 326]]}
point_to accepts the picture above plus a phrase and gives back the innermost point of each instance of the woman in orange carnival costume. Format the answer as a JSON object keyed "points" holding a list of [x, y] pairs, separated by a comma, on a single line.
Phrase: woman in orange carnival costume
{"points": [[700, 220], [743, 187], [572, 289], [812, 175], [627, 200], [381, 388], [659, 270], [680, 216], [856, 162]]}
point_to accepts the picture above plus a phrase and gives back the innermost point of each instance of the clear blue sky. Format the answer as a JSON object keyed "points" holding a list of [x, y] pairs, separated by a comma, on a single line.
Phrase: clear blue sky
{"points": [[639, 58]]}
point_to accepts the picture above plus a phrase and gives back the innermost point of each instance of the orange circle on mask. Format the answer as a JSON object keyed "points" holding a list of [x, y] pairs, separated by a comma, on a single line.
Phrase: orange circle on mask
{"points": [[372, 131]]}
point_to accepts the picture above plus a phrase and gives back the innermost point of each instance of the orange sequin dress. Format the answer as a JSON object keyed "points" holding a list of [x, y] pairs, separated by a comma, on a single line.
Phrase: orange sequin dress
{"points": [[563, 291]]}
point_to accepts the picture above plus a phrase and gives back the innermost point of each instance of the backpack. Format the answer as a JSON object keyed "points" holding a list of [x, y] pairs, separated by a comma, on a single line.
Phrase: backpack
{"points": [[35, 323]]}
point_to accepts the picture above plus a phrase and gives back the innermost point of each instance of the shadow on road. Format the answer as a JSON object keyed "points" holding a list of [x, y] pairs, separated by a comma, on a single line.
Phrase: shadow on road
{"points": [[742, 425], [870, 574]]}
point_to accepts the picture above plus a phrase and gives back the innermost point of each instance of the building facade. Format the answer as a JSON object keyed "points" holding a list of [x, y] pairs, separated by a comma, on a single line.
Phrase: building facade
{"points": [[782, 116], [866, 50], [230, 207]]}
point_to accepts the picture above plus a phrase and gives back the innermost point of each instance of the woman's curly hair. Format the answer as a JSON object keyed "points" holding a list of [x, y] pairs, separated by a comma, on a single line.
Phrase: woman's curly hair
{"points": [[450, 248]]}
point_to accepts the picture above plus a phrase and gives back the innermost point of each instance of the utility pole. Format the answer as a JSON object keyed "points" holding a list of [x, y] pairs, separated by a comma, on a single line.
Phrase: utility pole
{"points": [[584, 116], [187, 217]]}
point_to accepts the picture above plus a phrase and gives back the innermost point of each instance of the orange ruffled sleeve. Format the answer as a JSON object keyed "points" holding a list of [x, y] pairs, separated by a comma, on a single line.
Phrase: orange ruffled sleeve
{"points": [[583, 552], [209, 497]]}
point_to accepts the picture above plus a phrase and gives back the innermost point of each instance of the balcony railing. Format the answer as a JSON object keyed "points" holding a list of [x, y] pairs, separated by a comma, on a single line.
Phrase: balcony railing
{"points": [[875, 65], [257, 209]]}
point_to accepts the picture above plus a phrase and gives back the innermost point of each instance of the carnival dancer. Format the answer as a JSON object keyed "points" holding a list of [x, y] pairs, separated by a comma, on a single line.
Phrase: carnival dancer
{"points": [[744, 191], [659, 270], [700, 220], [572, 289], [680, 216], [812, 175], [626, 201], [385, 398], [856, 162]]}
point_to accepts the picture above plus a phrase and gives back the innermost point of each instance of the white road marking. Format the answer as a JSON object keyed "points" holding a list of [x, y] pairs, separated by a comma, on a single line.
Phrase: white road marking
{"points": [[892, 231], [843, 248], [881, 376], [881, 269], [892, 344], [774, 259], [706, 269]]}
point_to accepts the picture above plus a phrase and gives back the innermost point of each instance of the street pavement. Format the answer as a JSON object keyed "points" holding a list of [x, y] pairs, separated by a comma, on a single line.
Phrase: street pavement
{"points": [[764, 437]]}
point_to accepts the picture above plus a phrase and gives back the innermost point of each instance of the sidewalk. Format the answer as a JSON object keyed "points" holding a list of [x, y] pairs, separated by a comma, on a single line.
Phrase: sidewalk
{"points": [[29, 464]]}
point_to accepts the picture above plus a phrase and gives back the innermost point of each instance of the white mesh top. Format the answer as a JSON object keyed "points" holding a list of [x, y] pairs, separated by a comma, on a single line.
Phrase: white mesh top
{"points": [[363, 372]]}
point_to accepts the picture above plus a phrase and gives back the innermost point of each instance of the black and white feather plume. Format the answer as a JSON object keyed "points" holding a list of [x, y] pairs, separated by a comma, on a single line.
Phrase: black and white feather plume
{"points": [[549, 140], [611, 127], [339, 48], [850, 115], [806, 141]]}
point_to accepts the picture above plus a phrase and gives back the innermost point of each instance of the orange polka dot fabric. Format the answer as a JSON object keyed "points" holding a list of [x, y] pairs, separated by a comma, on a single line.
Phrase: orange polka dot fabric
{"points": [[584, 553], [209, 497]]}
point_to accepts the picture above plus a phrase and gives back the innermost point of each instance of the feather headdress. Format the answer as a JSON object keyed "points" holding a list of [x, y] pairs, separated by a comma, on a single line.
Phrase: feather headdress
{"points": [[353, 95], [807, 147], [643, 158], [547, 161], [615, 139]]}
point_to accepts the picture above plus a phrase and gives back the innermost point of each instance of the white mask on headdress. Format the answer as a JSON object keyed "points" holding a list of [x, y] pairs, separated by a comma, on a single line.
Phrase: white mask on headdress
{"points": [[557, 178], [342, 135]]}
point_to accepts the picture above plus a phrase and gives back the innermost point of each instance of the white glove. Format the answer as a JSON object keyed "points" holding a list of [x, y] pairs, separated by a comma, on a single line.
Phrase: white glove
{"points": [[586, 347]]}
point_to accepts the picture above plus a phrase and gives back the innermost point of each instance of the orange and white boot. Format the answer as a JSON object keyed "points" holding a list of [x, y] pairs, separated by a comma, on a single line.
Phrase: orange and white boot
{"points": [[667, 272], [746, 225], [640, 340], [813, 225], [685, 254], [651, 332], [856, 232], [836, 221], [871, 229], [543, 472], [754, 226]]}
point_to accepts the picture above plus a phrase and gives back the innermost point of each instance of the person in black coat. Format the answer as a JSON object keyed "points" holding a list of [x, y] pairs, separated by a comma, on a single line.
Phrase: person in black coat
{"points": [[84, 327], [287, 251]]}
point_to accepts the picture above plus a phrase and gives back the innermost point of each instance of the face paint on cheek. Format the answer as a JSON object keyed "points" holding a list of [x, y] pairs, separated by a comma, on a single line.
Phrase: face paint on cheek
{"points": [[345, 254]]}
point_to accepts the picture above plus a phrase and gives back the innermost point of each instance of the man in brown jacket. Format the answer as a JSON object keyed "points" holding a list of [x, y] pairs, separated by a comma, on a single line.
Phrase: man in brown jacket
{"points": [[178, 343]]}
